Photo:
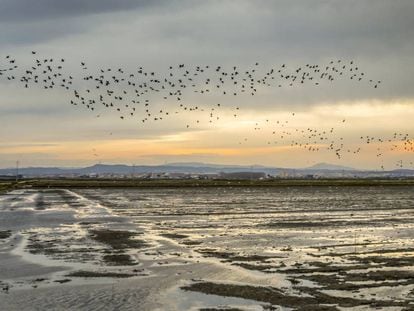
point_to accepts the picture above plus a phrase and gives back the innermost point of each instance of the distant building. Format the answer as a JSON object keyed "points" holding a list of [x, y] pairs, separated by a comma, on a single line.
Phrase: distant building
{"points": [[176, 175], [159, 176], [208, 176], [244, 175]]}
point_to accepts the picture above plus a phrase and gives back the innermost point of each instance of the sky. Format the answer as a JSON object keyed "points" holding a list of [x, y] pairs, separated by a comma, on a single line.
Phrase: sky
{"points": [[40, 128]]}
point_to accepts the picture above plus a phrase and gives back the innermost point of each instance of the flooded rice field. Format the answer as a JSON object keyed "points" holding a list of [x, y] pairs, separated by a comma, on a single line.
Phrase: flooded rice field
{"points": [[298, 248]]}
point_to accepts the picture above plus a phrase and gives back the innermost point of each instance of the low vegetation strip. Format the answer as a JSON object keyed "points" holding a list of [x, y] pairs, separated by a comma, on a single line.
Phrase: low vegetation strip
{"points": [[177, 183], [6, 186]]}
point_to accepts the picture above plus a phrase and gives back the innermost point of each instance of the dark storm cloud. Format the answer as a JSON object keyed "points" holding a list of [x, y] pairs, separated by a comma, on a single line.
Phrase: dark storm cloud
{"points": [[376, 24], [377, 34], [38, 32], [301, 28], [27, 22], [289, 28], [29, 10]]}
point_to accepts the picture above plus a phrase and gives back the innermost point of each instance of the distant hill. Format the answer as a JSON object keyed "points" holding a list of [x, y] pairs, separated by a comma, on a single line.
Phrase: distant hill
{"points": [[210, 165], [317, 170], [199, 164], [327, 166], [120, 169]]}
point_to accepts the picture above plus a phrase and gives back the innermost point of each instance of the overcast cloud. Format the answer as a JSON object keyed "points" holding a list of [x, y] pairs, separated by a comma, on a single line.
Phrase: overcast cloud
{"points": [[377, 34]]}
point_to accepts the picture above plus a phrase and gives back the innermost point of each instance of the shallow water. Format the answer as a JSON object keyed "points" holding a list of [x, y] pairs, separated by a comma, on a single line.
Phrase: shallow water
{"points": [[327, 243]]}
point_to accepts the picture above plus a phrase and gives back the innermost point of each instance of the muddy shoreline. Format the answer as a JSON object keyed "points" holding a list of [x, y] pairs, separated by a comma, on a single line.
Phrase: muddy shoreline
{"points": [[240, 248]]}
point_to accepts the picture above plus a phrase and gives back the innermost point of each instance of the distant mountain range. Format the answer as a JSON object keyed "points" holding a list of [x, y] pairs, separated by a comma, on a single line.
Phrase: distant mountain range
{"points": [[120, 169], [320, 169], [327, 166], [224, 166]]}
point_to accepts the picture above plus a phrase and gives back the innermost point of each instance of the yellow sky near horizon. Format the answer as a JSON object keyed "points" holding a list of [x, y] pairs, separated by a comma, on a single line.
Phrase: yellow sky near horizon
{"points": [[236, 141]]}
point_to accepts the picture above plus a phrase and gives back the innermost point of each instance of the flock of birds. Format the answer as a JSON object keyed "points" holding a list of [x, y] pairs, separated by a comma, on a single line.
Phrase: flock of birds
{"points": [[141, 93], [315, 140]]}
